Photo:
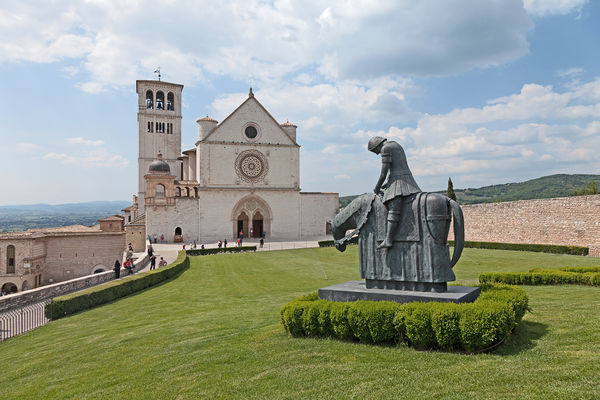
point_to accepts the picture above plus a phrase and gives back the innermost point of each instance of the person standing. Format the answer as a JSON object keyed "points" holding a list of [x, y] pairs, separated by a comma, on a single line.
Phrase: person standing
{"points": [[162, 238], [225, 243], [117, 269], [155, 238], [152, 262], [262, 242]]}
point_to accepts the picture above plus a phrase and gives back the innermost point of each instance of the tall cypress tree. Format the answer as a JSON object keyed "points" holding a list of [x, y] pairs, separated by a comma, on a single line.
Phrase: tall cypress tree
{"points": [[450, 191]]}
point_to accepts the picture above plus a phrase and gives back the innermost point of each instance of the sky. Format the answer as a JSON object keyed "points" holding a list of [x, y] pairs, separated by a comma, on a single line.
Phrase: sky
{"points": [[482, 91]]}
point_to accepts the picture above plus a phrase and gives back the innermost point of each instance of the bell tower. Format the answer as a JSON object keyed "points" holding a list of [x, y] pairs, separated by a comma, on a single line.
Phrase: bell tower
{"points": [[159, 127]]}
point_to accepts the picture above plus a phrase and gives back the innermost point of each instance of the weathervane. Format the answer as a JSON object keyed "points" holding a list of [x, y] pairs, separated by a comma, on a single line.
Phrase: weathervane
{"points": [[157, 71]]}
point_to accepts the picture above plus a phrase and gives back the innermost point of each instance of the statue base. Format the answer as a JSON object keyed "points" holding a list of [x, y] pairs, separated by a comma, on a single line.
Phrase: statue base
{"points": [[357, 290], [403, 285]]}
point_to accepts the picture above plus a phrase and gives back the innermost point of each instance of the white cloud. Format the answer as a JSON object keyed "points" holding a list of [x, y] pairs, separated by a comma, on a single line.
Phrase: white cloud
{"points": [[117, 42], [342, 176], [85, 142], [549, 7], [96, 158], [26, 148]]}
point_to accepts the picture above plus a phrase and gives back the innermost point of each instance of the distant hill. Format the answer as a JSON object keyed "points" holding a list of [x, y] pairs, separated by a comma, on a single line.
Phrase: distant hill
{"points": [[560, 185], [22, 217]]}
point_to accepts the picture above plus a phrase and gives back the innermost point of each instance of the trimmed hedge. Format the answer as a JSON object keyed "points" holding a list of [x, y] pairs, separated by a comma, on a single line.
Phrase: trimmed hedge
{"points": [[580, 269], [539, 248], [469, 326], [331, 243], [105, 293], [538, 276], [216, 250]]}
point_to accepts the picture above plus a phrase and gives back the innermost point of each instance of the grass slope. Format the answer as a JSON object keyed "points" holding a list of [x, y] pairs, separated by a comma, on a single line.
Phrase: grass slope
{"points": [[214, 332]]}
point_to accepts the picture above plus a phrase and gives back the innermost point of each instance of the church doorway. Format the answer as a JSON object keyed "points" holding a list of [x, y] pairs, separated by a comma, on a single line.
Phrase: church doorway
{"points": [[257, 224], [178, 235], [242, 224]]}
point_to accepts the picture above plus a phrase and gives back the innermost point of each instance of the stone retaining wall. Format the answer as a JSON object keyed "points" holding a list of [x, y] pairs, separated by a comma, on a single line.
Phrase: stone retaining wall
{"points": [[58, 289], [563, 220]]}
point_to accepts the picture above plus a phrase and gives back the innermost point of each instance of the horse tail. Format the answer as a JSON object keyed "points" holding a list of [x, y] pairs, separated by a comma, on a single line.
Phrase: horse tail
{"points": [[459, 232]]}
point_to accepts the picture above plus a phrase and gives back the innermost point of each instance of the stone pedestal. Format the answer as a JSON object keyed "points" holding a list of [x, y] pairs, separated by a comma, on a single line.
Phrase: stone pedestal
{"points": [[357, 290]]}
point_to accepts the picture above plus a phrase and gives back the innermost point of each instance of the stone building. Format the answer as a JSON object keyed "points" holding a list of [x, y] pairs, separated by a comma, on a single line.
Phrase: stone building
{"points": [[243, 175], [41, 256]]}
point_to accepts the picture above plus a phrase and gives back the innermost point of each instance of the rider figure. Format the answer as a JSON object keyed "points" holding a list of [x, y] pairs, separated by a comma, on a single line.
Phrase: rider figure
{"points": [[400, 182]]}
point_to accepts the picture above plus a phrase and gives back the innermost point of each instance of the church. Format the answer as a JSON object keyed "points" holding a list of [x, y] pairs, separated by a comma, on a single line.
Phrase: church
{"points": [[242, 176]]}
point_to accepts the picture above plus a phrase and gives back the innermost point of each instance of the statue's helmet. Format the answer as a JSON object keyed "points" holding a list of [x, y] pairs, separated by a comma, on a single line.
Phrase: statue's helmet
{"points": [[374, 142]]}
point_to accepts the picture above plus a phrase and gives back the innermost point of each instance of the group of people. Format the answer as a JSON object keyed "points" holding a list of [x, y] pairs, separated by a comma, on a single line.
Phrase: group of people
{"points": [[128, 264]]}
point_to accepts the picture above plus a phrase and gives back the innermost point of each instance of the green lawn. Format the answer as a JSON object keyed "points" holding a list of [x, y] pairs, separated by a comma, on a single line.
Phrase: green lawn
{"points": [[214, 332]]}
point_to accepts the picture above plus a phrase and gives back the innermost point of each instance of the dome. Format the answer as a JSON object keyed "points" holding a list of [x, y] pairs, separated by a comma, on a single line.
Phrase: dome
{"points": [[159, 166]]}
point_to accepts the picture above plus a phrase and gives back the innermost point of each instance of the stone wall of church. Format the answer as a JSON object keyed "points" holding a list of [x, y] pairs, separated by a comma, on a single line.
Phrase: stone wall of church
{"points": [[163, 220], [136, 235], [563, 220], [218, 165], [72, 256], [316, 210]]}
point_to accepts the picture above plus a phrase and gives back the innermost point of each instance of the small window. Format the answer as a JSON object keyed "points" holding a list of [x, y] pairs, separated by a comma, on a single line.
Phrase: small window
{"points": [[170, 102], [250, 132], [160, 127], [150, 127], [160, 100], [149, 100], [10, 259]]}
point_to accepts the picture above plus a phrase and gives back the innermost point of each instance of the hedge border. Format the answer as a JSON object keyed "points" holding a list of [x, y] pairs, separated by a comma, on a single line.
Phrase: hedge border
{"points": [[580, 269], [79, 301], [216, 250], [331, 243], [539, 248], [539, 276], [470, 327]]}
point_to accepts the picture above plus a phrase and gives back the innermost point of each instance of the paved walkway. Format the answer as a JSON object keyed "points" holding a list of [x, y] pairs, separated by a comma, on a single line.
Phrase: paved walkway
{"points": [[169, 251]]}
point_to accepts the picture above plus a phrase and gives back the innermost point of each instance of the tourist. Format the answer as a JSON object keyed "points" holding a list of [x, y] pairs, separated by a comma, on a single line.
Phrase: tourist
{"points": [[202, 246], [262, 242], [225, 243], [150, 250], [219, 244], [117, 269], [238, 242], [183, 245], [155, 238], [128, 265], [152, 262], [194, 245], [162, 238], [162, 262]]}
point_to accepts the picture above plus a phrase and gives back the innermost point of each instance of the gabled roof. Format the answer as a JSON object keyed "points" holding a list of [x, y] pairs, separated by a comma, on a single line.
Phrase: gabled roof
{"points": [[250, 98]]}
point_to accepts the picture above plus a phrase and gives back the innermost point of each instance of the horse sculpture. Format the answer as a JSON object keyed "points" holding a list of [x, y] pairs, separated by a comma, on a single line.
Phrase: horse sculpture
{"points": [[419, 259]]}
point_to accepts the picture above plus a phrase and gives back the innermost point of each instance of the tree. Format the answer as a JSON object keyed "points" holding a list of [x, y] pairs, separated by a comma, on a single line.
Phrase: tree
{"points": [[591, 188], [450, 192]]}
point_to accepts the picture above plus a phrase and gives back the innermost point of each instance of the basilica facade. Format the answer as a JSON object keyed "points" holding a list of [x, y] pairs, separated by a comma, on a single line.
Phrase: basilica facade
{"points": [[242, 175]]}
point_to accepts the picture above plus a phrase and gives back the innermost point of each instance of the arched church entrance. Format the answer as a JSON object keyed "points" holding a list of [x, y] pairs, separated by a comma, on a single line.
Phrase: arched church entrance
{"points": [[257, 224], [251, 212], [178, 235], [242, 225]]}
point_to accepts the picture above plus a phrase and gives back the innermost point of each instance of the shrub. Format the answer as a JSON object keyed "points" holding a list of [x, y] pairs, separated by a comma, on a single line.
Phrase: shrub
{"points": [[538, 276], [331, 243], [216, 250], [539, 248], [580, 269], [105, 293], [473, 327]]}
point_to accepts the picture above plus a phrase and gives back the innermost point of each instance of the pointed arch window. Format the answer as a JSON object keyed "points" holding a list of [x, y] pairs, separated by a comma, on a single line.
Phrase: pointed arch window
{"points": [[170, 102], [10, 259], [149, 100], [160, 100]]}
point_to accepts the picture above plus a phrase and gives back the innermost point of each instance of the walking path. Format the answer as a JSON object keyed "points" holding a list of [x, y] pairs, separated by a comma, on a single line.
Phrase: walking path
{"points": [[169, 251]]}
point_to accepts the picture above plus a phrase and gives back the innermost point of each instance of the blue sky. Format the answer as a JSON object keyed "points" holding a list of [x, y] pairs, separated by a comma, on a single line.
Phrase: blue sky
{"points": [[482, 91]]}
